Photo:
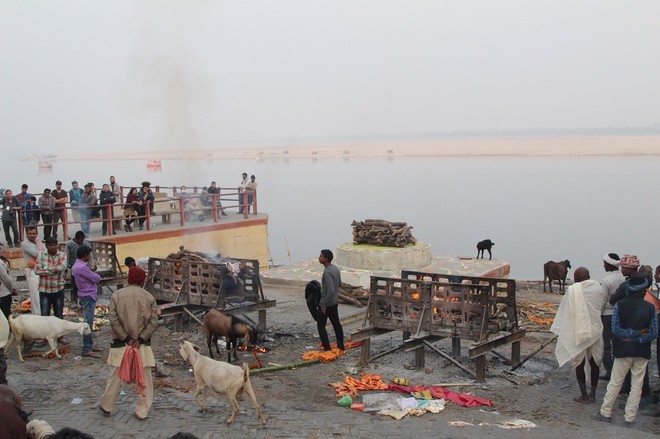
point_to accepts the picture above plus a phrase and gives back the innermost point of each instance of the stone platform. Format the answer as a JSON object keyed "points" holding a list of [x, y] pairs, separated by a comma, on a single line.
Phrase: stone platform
{"points": [[302, 272], [375, 257]]}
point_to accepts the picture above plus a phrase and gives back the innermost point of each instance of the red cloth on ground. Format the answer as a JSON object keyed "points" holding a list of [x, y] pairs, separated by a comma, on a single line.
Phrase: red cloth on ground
{"points": [[131, 369], [441, 392]]}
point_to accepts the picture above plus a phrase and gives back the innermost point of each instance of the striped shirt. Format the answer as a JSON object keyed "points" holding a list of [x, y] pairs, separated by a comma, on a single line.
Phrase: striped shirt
{"points": [[51, 270]]}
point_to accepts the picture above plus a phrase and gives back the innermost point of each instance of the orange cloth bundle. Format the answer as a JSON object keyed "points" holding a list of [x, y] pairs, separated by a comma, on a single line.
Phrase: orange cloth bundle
{"points": [[131, 369], [324, 356], [350, 386]]}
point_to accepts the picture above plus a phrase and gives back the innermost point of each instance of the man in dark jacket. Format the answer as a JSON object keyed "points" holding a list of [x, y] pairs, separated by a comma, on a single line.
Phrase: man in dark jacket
{"points": [[634, 327], [107, 198], [329, 301], [10, 207]]}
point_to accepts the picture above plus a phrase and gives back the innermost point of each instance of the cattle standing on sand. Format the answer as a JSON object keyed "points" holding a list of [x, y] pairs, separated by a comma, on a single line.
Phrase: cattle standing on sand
{"points": [[556, 271], [486, 244]]}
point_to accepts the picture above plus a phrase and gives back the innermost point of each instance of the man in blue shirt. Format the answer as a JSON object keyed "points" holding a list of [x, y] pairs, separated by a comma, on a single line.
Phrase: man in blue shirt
{"points": [[634, 327]]}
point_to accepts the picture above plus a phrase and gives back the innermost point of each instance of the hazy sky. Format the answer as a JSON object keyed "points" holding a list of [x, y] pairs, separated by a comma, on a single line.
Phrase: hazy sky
{"points": [[169, 74]]}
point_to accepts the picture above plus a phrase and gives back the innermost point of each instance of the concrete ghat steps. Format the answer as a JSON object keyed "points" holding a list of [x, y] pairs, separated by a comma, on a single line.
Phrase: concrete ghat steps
{"points": [[302, 272]]}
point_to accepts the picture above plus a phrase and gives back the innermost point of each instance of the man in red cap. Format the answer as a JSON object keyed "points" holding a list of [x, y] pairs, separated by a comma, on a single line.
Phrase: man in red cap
{"points": [[629, 266], [129, 308]]}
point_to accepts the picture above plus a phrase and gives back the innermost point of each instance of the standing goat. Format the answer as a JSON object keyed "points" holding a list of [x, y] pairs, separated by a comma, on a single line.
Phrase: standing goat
{"points": [[556, 271], [217, 324], [486, 244], [219, 377], [34, 327]]}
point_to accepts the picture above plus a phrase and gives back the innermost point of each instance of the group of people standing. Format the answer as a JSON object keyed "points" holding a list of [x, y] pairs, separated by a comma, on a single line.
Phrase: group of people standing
{"points": [[88, 202], [132, 314], [612, 323], [49, 208]]}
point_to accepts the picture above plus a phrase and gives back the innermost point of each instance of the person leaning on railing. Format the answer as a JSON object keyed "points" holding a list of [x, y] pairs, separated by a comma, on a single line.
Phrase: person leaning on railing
{"points": [[146, 196], [131, 208]]}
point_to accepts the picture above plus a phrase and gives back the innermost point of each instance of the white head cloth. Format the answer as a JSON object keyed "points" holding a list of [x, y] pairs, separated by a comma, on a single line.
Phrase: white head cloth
{"points": [[612, 262]]}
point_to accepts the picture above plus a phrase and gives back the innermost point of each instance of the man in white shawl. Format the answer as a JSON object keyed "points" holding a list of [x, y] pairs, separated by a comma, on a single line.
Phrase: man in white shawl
{"points": [[579, 329]]}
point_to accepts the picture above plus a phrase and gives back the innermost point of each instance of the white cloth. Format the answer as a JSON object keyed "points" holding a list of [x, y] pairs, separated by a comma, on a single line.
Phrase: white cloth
{"points": [[578, 324], [32, 279], [612, 262], [610, 283], [4, 330], [6, 285], [143, 263]]}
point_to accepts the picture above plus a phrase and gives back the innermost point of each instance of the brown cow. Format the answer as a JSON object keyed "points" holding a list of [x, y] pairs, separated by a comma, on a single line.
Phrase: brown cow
{"points": [[556, 271]]}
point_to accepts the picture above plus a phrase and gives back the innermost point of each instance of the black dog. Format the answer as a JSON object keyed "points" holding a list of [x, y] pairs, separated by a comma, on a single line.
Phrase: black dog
{"points": [[486, 244]]}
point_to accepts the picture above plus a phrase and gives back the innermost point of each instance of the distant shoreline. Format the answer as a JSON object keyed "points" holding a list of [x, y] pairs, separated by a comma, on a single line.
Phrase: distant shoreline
{"points": [[501, 147]]}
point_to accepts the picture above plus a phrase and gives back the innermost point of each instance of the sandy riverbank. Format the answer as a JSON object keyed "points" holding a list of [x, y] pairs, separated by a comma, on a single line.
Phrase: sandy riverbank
{"points": [[519, 146]]}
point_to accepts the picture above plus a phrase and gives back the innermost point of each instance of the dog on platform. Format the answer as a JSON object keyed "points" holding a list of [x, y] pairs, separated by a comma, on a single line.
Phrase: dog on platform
{"points": [[220, 377]]}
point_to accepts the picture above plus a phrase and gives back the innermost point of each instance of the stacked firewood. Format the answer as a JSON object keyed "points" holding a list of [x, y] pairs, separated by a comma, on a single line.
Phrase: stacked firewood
{"points": [[380, 232], [357, 296], [217, 258], [187, 255]]}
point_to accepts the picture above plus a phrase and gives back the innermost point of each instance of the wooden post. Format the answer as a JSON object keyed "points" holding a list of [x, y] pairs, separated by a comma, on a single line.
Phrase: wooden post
{"points": [[481, 369], [515, 353], [254, 202], [108, 218], [456, 346], [178, 322], [21, 226], [419, 358], [262, 319], [182, 212], [65, 222], [147, 212], [365, 351], [244, 202]]}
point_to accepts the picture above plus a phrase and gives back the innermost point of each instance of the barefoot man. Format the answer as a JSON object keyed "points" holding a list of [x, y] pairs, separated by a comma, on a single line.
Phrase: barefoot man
{"points": [[579, 328]]}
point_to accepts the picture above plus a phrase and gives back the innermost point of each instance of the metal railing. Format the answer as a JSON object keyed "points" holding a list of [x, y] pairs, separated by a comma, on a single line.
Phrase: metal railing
{"points": [[187, 207]]}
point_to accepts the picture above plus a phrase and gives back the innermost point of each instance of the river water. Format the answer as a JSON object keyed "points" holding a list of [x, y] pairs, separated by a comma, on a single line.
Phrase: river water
{"points": [[535, 209]]}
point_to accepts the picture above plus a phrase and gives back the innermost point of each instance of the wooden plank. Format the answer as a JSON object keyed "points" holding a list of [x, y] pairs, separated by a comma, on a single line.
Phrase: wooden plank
{"points": [[515, 353], [480, 377], [252, 307], [489, 345], [389, 351], [419, 358], [414, 342], [534, 353], [502, 357], [456, 346], [366, 333], [192, 315], [351, 319], [178, 322], [365, 349], [448, 357]]}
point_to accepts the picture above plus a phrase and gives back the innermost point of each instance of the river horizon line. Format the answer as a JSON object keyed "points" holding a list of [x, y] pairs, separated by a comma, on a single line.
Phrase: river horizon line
{"points": [[478, 147]]}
